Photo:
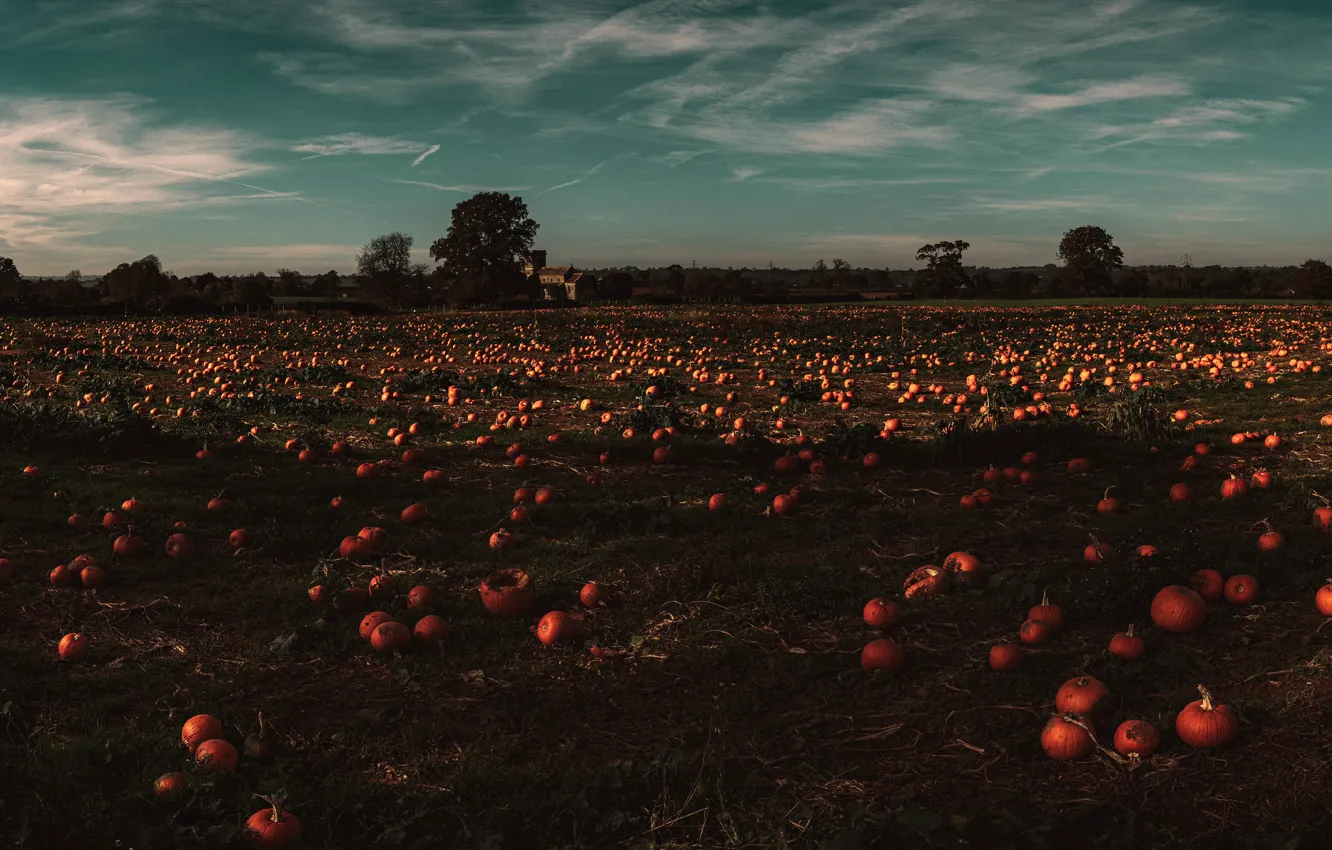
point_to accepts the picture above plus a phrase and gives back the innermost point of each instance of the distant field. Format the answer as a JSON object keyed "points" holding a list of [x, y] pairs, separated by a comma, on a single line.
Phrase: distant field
{"points": [[725, 704]]}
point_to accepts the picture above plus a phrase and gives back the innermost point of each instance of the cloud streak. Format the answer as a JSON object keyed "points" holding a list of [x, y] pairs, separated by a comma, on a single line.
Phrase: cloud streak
{"points": [[420, 159], [356, 143], [574, 182], [470, 190]]}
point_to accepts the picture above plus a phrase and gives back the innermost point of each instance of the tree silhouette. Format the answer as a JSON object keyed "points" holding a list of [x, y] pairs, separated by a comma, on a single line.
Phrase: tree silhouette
{"points": [[384, 266], [943, 273], [482, 254], [1314, 279], [1090, 258]]}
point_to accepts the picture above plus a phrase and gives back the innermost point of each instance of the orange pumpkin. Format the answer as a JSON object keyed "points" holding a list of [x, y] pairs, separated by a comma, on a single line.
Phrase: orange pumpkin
{"points": [[1065, 739], [1203, 724], [1178, 609], [509, 592]]}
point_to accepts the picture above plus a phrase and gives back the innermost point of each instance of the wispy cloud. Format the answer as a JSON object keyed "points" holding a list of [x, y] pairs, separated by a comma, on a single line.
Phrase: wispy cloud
{"points": [[1040, 204], [846, 184], [63, 163], [356, 143], [579, 179], [677, 158], [426, 153], [459, 188], [740, 175]]}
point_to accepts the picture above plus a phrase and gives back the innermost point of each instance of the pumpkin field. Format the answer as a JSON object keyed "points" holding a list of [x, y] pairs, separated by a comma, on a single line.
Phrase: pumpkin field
{"points": [[779, 577]]}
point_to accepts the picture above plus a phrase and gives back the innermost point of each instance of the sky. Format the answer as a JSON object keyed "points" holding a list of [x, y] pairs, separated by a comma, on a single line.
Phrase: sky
{"points": [[245, 135]]}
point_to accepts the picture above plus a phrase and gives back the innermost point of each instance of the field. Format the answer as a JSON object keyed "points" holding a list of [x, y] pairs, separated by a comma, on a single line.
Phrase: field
{"points": [[715, 696]]}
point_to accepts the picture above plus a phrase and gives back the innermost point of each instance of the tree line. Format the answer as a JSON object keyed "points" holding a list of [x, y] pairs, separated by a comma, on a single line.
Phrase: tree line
{"points": [[480, 261]]}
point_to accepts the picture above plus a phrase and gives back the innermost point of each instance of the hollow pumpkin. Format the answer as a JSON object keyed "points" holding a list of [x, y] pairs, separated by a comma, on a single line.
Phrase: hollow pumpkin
{"points": [[926, 581], [509, 592]]}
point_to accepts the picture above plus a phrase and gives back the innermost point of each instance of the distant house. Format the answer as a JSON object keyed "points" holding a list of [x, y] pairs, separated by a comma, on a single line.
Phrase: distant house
{"points": [[556, 281]]}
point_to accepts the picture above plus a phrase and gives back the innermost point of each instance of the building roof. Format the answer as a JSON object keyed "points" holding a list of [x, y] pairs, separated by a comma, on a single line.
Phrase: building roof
{"points": [[573, 278], [555, 270]]}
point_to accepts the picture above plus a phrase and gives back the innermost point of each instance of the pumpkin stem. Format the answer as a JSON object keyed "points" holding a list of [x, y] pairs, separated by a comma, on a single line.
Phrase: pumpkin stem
{"points": [[1045, 597], [1128, 632], [1206, 698], [277, 812]]}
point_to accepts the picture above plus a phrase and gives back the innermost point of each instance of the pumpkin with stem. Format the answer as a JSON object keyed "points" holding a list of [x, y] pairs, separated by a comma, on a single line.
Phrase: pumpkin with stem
{"points": [[1203, 724], [274, 828], [1127, 646], [1051, 615], [259, 746]]}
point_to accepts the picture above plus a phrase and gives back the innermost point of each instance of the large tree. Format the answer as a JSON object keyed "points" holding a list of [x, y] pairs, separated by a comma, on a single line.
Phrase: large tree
{"points": [[489, 235], [138, 284], [1313, 279], [384, 266], [943, 272], [1090, 258], [14, 290]]}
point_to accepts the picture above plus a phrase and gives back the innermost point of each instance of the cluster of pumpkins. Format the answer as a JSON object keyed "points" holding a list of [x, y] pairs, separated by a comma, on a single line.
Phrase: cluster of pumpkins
{"points": [[270, 828], [1202, 724], [508, 592]]}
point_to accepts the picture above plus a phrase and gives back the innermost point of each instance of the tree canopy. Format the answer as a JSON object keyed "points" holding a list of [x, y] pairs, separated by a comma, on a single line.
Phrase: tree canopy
{"points": [[943, 271], [1090, 258], [489, 235]]}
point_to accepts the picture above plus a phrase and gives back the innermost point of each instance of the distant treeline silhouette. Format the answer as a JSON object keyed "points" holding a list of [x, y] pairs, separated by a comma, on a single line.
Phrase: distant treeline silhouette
{"points": [[480, 262]]}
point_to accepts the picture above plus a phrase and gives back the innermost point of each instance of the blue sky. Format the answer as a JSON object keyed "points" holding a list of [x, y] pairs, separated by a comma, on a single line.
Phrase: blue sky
{"points": [[239, 135]]}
